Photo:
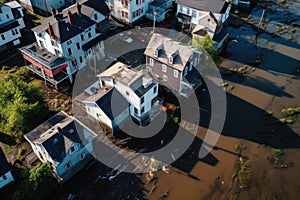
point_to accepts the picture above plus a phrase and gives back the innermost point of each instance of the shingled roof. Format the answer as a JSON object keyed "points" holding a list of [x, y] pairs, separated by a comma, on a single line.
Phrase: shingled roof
{"points": [[168, 47], [69, 22], [216, 6]]}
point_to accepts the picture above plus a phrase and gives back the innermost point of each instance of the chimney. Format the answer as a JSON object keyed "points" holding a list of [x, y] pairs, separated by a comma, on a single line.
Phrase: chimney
{"points": [[69, 17], [53, 11], [78, 8], [50, 31], [59, 130]]}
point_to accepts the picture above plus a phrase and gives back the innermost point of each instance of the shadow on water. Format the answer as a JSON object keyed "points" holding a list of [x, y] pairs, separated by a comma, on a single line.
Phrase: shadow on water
{"points": [[259, 83]]}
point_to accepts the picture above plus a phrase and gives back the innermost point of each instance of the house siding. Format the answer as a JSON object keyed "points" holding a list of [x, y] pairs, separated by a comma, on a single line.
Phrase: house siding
{"points": [[173, 82]]}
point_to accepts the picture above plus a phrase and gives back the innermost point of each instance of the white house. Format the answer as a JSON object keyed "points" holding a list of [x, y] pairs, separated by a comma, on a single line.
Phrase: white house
{"points": [[128, 11], [191, 11], [66, 39], [122, 92], [5, 171], [11, 23], [63, 142]]}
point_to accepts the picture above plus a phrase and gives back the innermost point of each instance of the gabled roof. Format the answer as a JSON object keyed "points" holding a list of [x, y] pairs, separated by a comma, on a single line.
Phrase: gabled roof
{"points": [[62, 29], [168, 47], [4, 166], [216, 6], [112, 103], [207, 24], [57, 135]]}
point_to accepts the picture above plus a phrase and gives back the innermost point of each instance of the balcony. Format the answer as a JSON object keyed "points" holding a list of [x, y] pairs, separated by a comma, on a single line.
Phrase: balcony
{"points": [[45, 64]]}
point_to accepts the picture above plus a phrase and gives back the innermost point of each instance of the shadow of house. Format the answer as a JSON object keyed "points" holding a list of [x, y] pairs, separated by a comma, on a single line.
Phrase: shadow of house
{"points": [[244, 120], [259, 83]]}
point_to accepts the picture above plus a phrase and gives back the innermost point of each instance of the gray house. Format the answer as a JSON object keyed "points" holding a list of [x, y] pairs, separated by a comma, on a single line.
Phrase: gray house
{"points": [[63, 142]]}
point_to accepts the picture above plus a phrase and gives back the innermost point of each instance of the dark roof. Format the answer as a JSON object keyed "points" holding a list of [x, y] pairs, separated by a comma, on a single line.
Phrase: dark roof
{"points": [[216, 6], [115, 99], [4, 166], [92, 43], [142, 90], [8, 26], [98, 5], [58, 145]]}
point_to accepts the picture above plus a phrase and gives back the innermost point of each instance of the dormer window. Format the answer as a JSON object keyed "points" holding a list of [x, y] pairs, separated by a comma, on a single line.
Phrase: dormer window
{"points": [[156, 52], [171, 59]]}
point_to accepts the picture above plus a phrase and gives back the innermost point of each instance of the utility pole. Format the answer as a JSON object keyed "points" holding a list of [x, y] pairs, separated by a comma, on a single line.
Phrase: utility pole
{"points": [[262, 19], [154, 18]]}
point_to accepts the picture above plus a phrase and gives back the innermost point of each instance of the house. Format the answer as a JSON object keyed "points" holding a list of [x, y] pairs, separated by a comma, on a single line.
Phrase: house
{"points": [[128, 11], [121, 93], [211, 24], [11, 24], [5, 171], [43, 7], [158, 9], [63, 142], [66, 39], [175, 65], [191, 11]]}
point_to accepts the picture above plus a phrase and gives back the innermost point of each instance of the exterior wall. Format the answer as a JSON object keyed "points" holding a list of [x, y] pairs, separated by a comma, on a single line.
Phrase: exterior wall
{"points": [[6, 14], [45, 6], [92, 109], [12, 36], [8, 178], [117, 7], [173, 82], [76, 162]]}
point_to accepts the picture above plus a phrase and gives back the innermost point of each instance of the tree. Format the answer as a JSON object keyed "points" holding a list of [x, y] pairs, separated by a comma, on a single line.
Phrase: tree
{"points": [[20, 103], [208, 44], [36, 183]]}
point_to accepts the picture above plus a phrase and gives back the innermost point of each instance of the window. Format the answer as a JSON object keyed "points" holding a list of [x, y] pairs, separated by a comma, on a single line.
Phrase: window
{"points": [[3, 37], [164, 68], [4, 177], [82, 156], [142, 110], [185, 71], [16, 31], [171, 59], [78, 45], [194, 14], [13, 32], [69, 42], [135, 111], [127, 93], [195, 61], [165, 78], [72, 149], [175, 73], [191, 66], [142, 100], [68, 165], [95, 16], [180, 9], [69, 51], [154, 90], [89, 35], [98, 115], [156, 52], [151, 62], [188, 11], [82, 37], [80, 59], [7, 16]]}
